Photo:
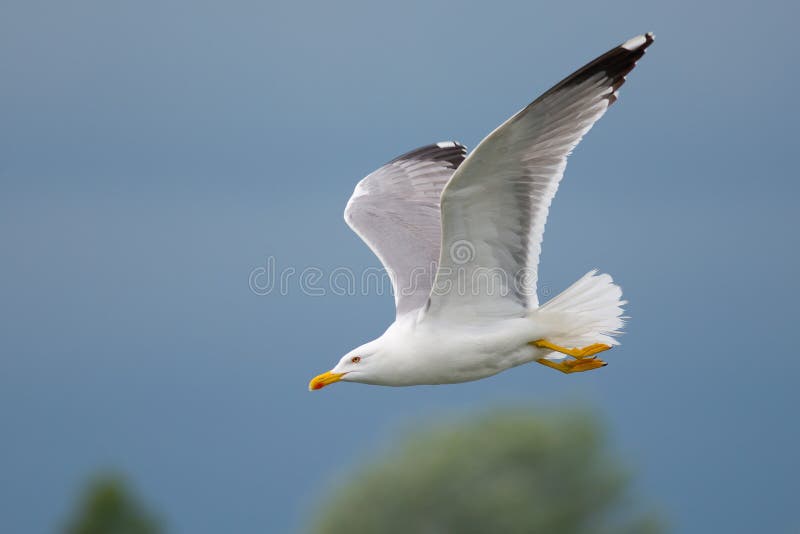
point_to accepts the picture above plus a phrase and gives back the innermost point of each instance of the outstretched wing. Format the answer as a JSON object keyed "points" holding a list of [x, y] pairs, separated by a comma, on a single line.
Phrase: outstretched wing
{"points": [[395, 210], [495, 206]]}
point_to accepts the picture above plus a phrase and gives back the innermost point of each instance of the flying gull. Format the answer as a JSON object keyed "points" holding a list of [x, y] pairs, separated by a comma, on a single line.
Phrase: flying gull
{"points": [[461, 237]]}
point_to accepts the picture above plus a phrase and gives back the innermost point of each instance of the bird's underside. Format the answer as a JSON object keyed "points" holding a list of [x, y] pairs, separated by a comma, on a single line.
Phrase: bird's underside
{"points": [[437, 217]]}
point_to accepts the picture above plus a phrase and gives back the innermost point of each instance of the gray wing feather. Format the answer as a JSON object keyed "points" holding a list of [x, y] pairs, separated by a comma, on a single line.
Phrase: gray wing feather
{"points": [[395, 210]]}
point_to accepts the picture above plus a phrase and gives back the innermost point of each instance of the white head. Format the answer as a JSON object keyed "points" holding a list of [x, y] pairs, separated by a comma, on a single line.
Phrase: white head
{"points": [[362, 364]]}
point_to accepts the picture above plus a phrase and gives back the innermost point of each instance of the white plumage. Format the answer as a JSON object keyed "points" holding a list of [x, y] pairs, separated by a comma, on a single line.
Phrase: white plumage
{"points": [[461, 238]]}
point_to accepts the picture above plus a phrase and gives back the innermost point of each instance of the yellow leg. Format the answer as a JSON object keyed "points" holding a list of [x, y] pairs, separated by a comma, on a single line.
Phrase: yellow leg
{"points": [[578, 353], [585, 359], [574, 366]]}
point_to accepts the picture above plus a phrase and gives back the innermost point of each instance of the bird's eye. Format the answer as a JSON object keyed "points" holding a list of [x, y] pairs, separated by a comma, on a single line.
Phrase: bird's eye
{"points": [[355, 359]]}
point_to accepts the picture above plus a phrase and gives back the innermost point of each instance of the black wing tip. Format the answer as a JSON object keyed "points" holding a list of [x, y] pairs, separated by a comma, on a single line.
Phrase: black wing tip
{"points": [[451, 152], [619, 61], [622, 60], [615, 64]]}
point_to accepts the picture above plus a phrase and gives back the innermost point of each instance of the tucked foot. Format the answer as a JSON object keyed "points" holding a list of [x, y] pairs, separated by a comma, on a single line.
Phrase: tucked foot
{"points": [[574, 366], [578, 352]]}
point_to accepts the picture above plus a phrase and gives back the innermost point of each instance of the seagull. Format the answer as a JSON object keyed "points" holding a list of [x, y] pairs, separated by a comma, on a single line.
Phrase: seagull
{"points": [[460, 236]]}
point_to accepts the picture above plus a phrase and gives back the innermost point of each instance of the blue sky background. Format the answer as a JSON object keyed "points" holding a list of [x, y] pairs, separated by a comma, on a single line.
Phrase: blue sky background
{"points": [[152, 154]]}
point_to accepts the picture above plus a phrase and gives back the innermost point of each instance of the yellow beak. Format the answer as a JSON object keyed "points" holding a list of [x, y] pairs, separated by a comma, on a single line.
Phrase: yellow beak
{"points": [[319, 382]]}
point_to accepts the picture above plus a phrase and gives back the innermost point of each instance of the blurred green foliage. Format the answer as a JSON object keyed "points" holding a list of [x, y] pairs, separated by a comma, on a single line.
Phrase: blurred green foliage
{"points": [[109, 507], [506, 472]]}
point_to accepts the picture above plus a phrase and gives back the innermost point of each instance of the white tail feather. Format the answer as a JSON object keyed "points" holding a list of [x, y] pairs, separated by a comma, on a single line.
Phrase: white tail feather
{"points": [[589, 311]]}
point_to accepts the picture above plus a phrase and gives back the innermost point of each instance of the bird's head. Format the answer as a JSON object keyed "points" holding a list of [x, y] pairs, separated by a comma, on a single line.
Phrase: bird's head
{"points": [[361, 364]]}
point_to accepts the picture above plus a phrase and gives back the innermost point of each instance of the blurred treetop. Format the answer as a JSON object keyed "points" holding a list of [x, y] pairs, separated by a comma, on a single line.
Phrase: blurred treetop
{"points": [[506, 472], [108, 507]]}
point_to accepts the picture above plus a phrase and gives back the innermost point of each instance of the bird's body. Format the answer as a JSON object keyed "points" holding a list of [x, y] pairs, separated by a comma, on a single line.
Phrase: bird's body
{"points": [[461, 238], [433, 352], [423, 350]]}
